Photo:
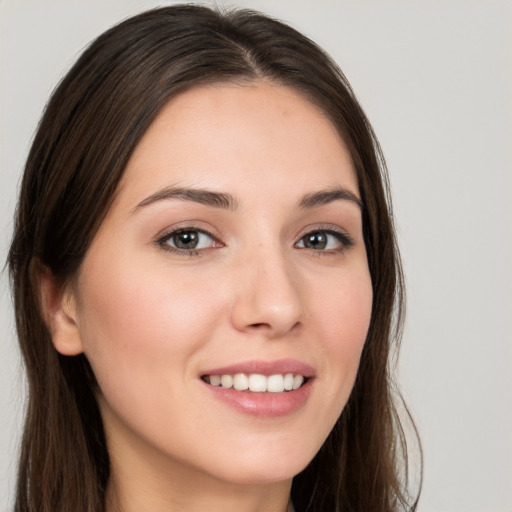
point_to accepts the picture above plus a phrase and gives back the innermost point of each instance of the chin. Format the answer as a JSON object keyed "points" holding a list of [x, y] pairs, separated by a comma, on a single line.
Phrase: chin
{"points": [[265, 469]]}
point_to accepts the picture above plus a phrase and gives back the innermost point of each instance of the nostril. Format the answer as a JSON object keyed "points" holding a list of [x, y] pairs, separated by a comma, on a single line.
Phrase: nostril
{"points": [[260, 325], [271, 328]]}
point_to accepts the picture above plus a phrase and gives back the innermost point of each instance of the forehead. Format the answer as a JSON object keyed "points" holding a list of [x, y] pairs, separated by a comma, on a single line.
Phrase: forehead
{"points": [[239, 135]]}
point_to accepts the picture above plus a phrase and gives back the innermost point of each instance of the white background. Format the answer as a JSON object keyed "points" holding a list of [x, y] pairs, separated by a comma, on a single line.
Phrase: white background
{"points": [[435, 78]]}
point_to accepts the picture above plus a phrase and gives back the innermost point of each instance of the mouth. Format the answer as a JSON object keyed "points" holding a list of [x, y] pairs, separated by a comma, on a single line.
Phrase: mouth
{"points": [[256, 382], [262, 388]]}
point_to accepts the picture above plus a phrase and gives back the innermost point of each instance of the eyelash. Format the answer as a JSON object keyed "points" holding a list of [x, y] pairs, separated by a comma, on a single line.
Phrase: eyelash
{"points": [[344, 239], [163, 241]]}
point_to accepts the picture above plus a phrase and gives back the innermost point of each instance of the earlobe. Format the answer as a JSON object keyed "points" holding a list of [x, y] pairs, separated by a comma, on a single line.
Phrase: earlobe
{"points": [[58, 306]]}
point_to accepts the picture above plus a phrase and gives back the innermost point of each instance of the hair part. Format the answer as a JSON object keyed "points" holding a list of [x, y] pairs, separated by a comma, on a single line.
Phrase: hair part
{"points": [[90, 127]]}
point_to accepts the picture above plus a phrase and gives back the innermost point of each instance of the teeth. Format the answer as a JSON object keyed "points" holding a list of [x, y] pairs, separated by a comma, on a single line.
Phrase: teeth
{"points": [[275, 384], [297, 381], [288, 381], [241, 382], [227, 381], [257, 383], [215, 380]]}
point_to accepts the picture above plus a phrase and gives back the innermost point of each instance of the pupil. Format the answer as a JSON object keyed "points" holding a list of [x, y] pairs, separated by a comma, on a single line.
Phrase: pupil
{"points": [[316, 241], [186, 240]]}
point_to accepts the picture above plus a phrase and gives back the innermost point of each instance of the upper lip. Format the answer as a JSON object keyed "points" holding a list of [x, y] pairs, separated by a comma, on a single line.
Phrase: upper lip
{"points": [[262, 367]]}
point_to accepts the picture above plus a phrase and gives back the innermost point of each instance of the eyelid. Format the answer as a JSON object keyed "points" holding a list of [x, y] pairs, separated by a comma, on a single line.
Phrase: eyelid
{"points": [[191, 225], [345, 239], [326, 227], [163, 236]]}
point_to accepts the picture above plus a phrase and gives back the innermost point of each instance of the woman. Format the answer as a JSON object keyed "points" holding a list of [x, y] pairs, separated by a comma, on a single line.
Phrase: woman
{"points": [[205, 274]]}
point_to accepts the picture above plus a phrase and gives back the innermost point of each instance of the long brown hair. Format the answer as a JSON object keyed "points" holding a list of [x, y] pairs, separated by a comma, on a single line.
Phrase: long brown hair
{"points": [[90, 127]]}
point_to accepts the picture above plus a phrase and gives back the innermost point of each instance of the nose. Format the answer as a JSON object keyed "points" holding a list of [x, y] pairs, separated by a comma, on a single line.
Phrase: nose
{"points": [[268, 299]]}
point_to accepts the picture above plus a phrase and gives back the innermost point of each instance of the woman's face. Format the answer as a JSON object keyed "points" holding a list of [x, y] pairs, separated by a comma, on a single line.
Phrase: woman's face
{"points": [[233, 252]]}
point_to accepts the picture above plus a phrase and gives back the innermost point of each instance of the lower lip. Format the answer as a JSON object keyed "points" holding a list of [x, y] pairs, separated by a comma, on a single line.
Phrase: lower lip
{"points": [[264, 405]]}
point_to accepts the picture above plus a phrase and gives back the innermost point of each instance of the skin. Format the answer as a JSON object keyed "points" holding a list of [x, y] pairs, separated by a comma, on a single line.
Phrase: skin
{"points": [[152, 320]]}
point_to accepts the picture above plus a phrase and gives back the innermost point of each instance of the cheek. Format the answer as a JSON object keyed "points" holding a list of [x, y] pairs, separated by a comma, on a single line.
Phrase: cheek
{"points": [[136, 324], [344, 312]]}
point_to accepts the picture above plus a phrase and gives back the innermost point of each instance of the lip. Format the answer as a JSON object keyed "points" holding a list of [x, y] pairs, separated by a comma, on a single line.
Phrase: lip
{"points": [[266, 368], [267, 404]]}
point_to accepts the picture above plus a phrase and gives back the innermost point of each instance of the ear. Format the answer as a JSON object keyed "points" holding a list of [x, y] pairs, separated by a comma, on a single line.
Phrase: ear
{"points": [[58, 306]]}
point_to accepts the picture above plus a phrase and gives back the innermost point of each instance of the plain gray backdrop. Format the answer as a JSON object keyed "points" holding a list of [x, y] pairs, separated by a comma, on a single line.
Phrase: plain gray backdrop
{"points": [[435, 78]]}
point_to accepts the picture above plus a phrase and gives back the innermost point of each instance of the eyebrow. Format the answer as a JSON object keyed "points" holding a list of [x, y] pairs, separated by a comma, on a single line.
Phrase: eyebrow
{"points": [[323, 197], [207, 197], [226, 201]]}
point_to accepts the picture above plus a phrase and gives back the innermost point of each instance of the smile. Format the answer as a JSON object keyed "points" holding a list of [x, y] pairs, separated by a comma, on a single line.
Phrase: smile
{"points": [[257, 383], [267, 389]]}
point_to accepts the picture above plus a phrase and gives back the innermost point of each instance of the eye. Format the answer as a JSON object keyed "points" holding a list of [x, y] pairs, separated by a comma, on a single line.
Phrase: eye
{"points": [[188, 240], [325, 240]]}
